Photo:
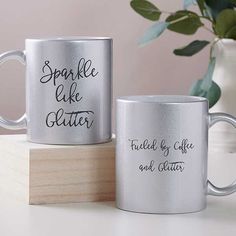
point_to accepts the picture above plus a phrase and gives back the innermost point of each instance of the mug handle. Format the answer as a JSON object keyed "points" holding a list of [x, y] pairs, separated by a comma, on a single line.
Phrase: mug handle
{"points": [[211, 188], [21, 122]]}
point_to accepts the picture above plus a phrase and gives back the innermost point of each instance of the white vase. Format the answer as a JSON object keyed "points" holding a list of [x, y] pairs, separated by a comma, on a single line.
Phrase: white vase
{"points": [[222, 135]]}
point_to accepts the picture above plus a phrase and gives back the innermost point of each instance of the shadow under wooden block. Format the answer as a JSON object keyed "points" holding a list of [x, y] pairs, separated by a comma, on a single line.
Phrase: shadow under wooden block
{"points": [[43, 174]]}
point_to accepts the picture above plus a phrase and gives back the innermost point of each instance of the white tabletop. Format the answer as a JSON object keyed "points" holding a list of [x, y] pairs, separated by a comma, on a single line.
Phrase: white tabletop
{"points": [[17, 218]]}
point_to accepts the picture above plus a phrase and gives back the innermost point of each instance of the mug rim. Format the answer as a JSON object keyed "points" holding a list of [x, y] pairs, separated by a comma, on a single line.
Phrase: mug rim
{"points": [[69, 38], [162, 99]]}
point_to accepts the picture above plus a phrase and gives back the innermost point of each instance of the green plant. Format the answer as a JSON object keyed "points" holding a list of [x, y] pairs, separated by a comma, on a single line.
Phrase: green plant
{"points": [[215, 16]]}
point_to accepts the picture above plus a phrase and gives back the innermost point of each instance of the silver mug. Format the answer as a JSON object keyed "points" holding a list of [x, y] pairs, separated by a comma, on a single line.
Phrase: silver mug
{"points": [[68, 90], [161, 154]]}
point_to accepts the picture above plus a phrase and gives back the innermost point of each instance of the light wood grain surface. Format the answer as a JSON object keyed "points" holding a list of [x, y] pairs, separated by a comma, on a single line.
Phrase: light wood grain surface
{"points": [[40, 174]]}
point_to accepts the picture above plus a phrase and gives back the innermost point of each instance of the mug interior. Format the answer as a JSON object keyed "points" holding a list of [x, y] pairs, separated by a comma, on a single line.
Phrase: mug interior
{"points": [[167, 99]]}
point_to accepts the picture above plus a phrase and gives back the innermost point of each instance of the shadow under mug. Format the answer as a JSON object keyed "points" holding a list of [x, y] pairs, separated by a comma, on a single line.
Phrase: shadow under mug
{"points": [[161, 154], [68, 90]]}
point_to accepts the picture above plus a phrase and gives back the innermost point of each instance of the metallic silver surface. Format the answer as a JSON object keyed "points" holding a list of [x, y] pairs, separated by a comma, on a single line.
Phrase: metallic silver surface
{"points": [[211, 188], [161, 154], [21, 122], [68, 90]]}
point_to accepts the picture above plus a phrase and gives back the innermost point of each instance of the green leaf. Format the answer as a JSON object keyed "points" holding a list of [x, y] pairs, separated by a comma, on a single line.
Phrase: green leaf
{"points": [[225, 21], [204, 9], [153, 32], [201, 5], [184, 22], [212, 94], [207, 79], [231, 34], [146, 9], [206, 87], [217, 6], [192, 48], [188, 3]]}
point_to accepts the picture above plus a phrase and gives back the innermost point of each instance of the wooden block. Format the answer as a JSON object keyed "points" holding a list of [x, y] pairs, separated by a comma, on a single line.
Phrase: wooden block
{"points": [[42, 174]]}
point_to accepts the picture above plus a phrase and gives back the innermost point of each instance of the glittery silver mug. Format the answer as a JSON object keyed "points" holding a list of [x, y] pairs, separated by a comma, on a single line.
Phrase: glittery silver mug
{"points": [[161, 154], [68, 90]]}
